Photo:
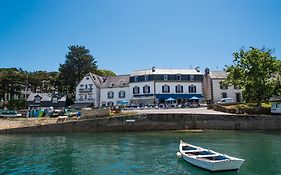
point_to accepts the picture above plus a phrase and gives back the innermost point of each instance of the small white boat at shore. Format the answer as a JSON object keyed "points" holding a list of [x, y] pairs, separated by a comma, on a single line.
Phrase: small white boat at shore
{"points": [[208, 159]]}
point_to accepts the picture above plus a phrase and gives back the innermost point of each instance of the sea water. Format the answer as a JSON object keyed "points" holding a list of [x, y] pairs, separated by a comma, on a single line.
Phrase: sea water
{"points": [[134, 153]]}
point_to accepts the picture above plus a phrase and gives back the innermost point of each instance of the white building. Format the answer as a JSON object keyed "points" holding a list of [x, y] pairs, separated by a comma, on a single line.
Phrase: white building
{"points": [[214, 91], [143, 87], [88, 90], [115, 91], [154, 86]]}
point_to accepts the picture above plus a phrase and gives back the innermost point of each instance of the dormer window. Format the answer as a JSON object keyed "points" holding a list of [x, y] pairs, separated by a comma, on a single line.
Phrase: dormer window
{"points": [[122, 84], [111, 85], [37, 99], [146, 78], [135, 79], [55, 99], [178, 77], [191, 77], [165, 77]]}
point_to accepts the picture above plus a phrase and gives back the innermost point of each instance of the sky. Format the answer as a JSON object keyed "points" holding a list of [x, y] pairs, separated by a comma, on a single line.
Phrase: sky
{"points": [[128, 35]]}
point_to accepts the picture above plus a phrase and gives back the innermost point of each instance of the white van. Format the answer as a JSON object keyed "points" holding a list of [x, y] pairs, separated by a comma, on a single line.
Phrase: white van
{"points": [[226, 100]]}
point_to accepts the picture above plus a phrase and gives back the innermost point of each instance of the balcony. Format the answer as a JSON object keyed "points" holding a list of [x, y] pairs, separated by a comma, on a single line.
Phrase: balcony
{"points": [[82, 90]]}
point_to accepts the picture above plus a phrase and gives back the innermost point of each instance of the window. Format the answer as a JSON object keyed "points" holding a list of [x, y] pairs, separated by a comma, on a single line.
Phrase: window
{"points": [[238, 97], [146, 89], [87, 78], [122, 94], [80, 97], [37, 99], [222, 86], [85, 96], [90, 96], [178, 77], [103, 103], [55, 100], [192, 89], [111, 85], [110, 94], [136, 90], [110, 103], [122, 83], [146, 78], [191, 77], [179, 89], [135, 79], [86, 86], [236, 87], [91, 86], [165, 89], [224, 95], [165, 77]]}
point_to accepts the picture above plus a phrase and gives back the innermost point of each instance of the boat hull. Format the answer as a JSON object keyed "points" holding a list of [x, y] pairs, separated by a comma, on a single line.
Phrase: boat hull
{"points": [[208, 159], [217, 166]]}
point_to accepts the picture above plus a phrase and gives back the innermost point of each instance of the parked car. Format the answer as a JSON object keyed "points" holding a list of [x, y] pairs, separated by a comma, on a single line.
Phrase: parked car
{"points": [[9, 113], [71, 112], [226, 101]]}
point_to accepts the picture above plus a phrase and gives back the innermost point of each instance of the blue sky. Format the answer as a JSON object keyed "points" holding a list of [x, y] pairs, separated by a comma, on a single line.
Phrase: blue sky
{"points": [[125, 35]]}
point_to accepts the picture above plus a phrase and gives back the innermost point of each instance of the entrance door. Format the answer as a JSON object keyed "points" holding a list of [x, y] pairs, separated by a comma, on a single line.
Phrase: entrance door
{"points": [[238, 97]]}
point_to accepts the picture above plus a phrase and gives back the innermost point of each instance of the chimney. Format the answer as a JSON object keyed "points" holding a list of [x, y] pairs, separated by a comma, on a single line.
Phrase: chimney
{"points": [[207, 71], [197, 69], [153, 69]]}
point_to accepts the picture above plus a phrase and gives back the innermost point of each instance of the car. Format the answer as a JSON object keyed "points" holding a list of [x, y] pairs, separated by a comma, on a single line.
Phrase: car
{"points": [[226, 101], [71, 112]]}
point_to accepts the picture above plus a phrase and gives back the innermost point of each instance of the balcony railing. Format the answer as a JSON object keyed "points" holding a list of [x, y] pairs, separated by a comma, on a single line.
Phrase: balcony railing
{"points": [[85, 90]]}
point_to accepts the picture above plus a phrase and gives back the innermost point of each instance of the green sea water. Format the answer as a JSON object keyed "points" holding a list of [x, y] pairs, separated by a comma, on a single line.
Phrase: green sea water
{"points": [[134, 153]]}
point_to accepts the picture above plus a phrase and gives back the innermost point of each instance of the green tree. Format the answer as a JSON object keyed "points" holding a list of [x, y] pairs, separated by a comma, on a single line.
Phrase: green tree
{"points": [[101, 72], [256, 71], [11, 82], [78, 63]]}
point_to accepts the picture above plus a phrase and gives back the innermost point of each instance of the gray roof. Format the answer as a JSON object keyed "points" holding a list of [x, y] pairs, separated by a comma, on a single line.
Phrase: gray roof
{"points": [[116, 81], [46, 96], [218, 74], [166, 71], [96, 79]]}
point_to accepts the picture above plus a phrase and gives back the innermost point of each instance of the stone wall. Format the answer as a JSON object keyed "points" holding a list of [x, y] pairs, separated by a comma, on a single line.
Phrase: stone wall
{"points": [[90, 113], [157, 122], [8, 123]]}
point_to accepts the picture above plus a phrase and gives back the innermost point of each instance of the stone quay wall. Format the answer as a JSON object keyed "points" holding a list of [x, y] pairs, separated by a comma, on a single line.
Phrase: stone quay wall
{"points": [[158, 122]]}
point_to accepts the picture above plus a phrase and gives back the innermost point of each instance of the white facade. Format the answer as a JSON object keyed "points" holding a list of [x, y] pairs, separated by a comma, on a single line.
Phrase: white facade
{"points": [[87, 91], [213, 89], [173, 85], [105, 91], [229, 92], [117, 99]]}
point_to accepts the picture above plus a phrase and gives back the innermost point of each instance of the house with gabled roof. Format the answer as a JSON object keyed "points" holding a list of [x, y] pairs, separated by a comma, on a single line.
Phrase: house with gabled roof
{"points": [[88, 91], [115, 91], [46, 100], [214, 90]]}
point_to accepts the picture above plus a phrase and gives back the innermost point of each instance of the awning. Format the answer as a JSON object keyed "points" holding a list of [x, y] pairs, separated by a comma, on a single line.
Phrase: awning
{"points": [[170, 99], [178, 96], [194, 98]]}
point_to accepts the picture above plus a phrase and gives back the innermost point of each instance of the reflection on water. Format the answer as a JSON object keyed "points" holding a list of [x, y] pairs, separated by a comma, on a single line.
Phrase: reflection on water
{"points": [[134, 153]]}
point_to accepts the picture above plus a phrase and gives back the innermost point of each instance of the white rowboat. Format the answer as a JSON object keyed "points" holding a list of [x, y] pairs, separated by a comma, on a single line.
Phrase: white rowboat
{"points": [[208, 159]]}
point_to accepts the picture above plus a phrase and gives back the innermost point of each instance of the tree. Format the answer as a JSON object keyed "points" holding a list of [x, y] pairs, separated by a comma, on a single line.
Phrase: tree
{"points": [[101, 72], [78, 63], [256, 71], [11, 83]]}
